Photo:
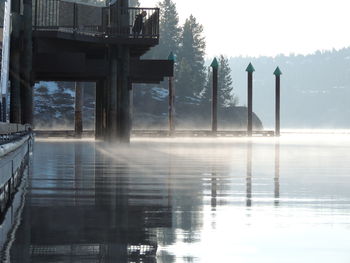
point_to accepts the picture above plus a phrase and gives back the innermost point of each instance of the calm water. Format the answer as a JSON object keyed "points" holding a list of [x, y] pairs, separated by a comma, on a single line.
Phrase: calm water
{"points": [[187, 200]]}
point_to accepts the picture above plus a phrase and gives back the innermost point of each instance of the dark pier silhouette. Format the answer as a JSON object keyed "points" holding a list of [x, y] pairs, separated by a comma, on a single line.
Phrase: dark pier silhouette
{"points": [[69, 41]]}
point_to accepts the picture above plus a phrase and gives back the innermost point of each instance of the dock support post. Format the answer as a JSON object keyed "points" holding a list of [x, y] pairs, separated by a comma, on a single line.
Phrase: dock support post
{"points": [[26, 60], [214, 103], [99, 110], [278, 74], [171, 106], [111, 132], [171, 110], [250, 69], [15, 62], [78, 123], [123, 96]]}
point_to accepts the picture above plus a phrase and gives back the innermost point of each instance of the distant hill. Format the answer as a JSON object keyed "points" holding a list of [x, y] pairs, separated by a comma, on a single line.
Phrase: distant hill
{"points": [[315, 88]]}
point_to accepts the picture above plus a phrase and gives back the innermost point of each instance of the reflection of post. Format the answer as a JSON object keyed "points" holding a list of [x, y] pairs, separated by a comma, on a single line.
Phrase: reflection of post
{"points": [[214, 188], [78, 109], [249, 174], [277, 172], [170, 183], [78, 173]]}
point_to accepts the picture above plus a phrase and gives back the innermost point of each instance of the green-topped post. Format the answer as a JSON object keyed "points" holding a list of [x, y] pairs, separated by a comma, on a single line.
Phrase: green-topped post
{"points": [[250, 69], [214, 103], [278, 74], [171, 108]]}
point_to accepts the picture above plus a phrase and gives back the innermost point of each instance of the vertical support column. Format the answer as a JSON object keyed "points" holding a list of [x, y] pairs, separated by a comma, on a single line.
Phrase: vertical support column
{"points": [[123, 96], [278, 74], [250, 69], [26, 72], [99, 109], [5, 61], [214, 103], [78, 123], [105, 109], [15, 63], [111, 117], [171, 106], [131, 104]]}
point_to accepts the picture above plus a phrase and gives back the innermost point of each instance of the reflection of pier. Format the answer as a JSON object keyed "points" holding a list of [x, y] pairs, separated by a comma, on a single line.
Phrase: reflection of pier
{"points": [[97, 217]]}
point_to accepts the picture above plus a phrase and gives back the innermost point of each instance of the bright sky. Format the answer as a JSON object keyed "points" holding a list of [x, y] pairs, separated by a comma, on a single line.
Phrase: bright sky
{"points": [[268, 27]]}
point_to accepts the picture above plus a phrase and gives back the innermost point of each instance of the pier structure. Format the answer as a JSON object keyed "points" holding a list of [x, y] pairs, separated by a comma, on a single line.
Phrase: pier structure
{"points": [[61, 40]]}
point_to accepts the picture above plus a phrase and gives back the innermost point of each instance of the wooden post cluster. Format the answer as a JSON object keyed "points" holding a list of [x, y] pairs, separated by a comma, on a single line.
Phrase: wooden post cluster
{"points": [[113, 94], [250, 70]]}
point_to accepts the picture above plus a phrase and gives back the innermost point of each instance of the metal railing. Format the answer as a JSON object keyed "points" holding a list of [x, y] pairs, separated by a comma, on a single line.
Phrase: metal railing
{"points": [[70, 17]]}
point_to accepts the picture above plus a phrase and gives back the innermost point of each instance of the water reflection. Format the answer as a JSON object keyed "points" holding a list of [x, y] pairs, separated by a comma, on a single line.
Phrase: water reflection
{"points": [[249, 173], [277, 172], [186, 201]]}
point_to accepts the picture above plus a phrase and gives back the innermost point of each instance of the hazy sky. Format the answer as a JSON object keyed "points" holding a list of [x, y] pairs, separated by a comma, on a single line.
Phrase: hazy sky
{"points": [[268, 27]]}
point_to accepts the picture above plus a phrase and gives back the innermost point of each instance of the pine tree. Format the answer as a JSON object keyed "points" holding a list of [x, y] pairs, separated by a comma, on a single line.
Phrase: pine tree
{"points": [[169, 31], [191, 72], [226, 97], [225, 84]]}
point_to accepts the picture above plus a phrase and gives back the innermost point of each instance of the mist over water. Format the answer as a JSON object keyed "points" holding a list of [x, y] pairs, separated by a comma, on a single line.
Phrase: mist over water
{"points": [[190, 200]]}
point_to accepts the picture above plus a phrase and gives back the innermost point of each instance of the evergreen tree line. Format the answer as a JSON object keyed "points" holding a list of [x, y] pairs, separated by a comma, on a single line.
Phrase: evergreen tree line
{"points": [[193, 79]]}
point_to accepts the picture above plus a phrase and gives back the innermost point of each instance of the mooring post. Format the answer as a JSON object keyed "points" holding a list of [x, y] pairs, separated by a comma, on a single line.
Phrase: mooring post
{"points": [[214, 102], [250, 69], [78, 109], [278, 74], [171, 113]]}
